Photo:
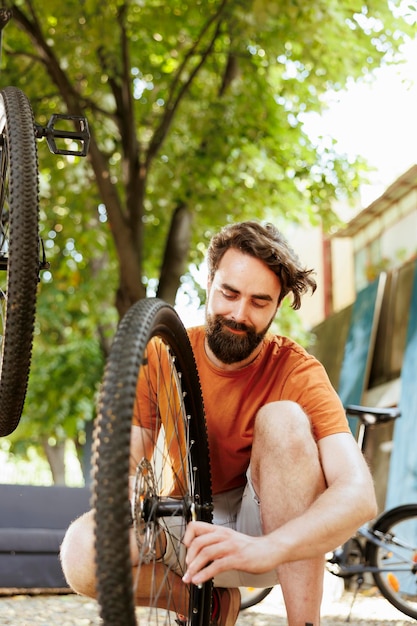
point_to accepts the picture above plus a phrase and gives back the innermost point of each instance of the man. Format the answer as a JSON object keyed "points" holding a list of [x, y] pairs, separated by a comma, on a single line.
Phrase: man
{"points": [[289, 481]]}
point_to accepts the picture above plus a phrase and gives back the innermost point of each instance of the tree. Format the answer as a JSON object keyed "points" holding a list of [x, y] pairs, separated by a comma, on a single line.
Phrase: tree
{"points": [[196, 118], [75, 325], [67, 367], [195, 110]]}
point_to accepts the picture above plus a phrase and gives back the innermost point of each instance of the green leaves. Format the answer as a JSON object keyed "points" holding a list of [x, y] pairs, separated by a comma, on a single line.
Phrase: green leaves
{"points": [[193, 105]]}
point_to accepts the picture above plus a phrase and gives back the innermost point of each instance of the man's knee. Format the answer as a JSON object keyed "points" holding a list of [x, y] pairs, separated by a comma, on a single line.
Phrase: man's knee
{"points": [[284, 448], [283, 422], [77, 555]]}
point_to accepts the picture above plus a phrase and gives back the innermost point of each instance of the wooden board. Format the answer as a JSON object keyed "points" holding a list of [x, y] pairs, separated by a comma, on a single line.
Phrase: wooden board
{"points": [[402, 478], [359, 347]]}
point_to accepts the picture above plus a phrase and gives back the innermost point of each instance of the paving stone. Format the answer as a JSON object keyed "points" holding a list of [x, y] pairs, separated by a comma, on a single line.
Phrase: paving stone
{"points": [[71, 610]]}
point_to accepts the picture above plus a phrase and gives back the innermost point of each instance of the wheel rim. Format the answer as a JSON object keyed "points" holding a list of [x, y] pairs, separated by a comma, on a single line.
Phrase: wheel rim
{"points": [[166, 491], [4, 229]]}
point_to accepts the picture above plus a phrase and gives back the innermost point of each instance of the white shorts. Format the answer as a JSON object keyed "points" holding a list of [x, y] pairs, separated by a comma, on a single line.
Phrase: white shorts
{"points": [[238, 509]]}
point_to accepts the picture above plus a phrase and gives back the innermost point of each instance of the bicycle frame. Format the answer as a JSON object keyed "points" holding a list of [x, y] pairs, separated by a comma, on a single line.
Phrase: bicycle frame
{"points": [[345, 570]]}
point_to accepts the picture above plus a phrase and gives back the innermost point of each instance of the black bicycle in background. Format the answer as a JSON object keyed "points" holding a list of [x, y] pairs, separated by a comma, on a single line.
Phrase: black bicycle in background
{"points": [[21, 250]]}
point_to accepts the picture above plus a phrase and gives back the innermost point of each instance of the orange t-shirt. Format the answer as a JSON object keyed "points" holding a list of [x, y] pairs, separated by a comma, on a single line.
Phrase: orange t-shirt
{"points": [[282, 371]]}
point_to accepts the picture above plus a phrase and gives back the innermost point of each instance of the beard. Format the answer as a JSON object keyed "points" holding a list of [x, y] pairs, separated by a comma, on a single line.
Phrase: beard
{"points": [[226, 346]]}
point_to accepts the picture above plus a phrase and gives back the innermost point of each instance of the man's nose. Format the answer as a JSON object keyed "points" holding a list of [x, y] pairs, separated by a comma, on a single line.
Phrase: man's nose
{"points": [[240, 311]]}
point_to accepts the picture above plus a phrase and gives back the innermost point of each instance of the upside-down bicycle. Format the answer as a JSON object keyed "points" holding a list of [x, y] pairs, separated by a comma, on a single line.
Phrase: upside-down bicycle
{"points": [[21, 251], [176, 482]]}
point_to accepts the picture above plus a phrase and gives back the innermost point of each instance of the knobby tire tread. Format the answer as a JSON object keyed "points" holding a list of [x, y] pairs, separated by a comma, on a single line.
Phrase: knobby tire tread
{"points": [[19, 143], [147, 318]]}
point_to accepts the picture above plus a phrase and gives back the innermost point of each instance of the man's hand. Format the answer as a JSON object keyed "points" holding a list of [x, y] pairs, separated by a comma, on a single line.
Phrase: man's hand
{"points": [[213, 549]]}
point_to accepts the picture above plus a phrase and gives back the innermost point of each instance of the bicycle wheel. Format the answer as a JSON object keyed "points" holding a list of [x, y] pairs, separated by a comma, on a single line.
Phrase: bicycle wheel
{"points": [[19, 251], [397, 557], [151, 374]]}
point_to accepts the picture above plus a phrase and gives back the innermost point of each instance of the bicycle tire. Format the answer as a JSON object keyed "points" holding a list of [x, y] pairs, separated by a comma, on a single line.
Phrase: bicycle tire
{"points": [[19, 251], [149, 323], [397, 527]]}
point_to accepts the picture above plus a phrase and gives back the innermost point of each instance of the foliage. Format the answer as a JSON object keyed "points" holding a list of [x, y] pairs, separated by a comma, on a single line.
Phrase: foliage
{"points": [[196, 115], [75, 323], [197, 105], [67, 366]]}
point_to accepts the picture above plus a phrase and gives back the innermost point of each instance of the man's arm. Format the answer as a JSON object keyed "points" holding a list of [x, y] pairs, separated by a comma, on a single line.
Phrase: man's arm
{"points": [[346, 503], [141, 446]]}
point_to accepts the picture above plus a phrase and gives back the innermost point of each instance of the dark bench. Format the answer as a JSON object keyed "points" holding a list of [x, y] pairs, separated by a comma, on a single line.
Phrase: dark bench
{"points": [[33, 521]]}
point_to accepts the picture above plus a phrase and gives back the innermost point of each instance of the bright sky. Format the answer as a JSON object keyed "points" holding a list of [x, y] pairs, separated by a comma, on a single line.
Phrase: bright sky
{"points": [[378, 121]]}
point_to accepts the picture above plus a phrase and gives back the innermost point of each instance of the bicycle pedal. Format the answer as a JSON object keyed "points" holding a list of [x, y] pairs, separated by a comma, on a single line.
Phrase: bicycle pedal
{"points": [[51, 133]]}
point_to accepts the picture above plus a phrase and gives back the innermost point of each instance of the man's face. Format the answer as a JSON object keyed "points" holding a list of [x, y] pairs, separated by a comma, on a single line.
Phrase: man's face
{"points": [[241, 305]]}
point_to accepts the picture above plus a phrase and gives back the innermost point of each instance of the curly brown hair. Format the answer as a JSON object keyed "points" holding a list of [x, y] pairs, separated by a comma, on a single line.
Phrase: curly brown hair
{"points": [[264, 242]]}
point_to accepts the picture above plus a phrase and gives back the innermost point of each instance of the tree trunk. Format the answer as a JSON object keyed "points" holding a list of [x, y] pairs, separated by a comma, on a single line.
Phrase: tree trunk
{"points": [[56, 459], [176, 254], [84, 453]]}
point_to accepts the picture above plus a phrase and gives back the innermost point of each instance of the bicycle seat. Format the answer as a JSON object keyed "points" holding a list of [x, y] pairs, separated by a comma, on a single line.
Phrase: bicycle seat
{"points": [[373, 415]]}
